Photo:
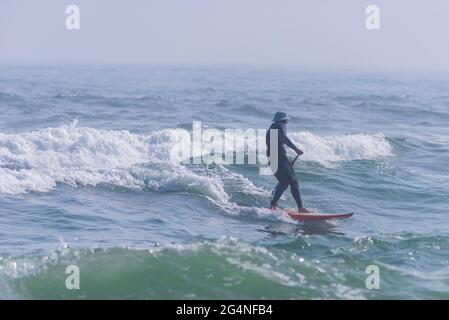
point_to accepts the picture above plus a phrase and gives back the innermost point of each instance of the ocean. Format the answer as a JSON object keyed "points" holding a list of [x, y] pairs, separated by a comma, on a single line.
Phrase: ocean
{"points": [[87, 180]]}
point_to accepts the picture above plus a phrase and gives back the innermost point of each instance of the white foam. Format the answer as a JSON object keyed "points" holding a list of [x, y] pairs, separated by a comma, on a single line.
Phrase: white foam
{"points": [[239, 183], [170, 177], [82, 156], [329, 149]]}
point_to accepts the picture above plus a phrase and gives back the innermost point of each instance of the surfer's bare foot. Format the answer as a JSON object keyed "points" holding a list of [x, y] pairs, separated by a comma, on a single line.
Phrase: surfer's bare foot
{"points": [[303, 210]]}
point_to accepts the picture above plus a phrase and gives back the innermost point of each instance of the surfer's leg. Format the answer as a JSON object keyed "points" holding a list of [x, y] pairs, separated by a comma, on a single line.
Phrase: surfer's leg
{"points": [[282, 185], [294, 188], [278, 191]]}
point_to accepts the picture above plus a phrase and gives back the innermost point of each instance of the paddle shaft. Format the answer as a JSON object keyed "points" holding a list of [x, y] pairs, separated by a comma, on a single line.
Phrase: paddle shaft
{"points": [[294, 160]]}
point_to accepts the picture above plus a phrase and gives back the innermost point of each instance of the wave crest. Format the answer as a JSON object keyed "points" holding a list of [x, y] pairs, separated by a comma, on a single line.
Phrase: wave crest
{"points": [[83, 156], [349, 147]]}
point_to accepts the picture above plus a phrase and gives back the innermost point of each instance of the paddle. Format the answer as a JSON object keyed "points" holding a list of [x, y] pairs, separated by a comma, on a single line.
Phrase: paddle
{"points": [[294, 160]]}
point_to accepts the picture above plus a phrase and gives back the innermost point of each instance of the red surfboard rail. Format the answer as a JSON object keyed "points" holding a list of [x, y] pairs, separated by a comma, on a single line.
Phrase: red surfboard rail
{"points": [[312, 216]]}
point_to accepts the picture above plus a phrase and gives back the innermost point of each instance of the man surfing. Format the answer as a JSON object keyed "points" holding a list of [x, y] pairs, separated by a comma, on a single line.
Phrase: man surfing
{"points": [[284, 174]]}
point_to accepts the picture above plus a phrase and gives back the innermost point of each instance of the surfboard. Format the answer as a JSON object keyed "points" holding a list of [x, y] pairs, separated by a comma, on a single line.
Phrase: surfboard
{"points": [[316, 216]]}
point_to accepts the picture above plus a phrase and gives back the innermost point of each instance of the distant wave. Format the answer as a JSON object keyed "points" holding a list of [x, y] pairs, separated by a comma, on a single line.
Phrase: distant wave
{"points": [[83, 156], [82, 95]]}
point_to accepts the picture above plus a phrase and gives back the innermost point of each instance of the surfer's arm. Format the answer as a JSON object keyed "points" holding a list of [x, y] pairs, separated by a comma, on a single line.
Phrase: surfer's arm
{"points": [[288, 142]]}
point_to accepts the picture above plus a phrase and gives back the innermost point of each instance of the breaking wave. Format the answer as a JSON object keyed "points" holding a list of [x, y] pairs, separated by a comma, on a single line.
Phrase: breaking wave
{"points": [[330, 149], [82, 156]]}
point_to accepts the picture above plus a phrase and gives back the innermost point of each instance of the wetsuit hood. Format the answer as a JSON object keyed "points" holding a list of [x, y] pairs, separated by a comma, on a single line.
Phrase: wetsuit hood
{"points": [[280, 116]]}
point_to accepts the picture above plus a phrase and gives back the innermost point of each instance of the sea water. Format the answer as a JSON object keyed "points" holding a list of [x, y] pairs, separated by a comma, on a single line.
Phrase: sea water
{"points": [[86, 179]]}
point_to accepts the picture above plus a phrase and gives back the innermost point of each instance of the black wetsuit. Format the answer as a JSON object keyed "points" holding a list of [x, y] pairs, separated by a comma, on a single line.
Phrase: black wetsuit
{"points": [[285, 173]]}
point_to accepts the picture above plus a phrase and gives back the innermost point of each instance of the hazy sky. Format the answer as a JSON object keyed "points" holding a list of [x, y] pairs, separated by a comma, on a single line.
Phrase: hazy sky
{"points": [[413, 34]]}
